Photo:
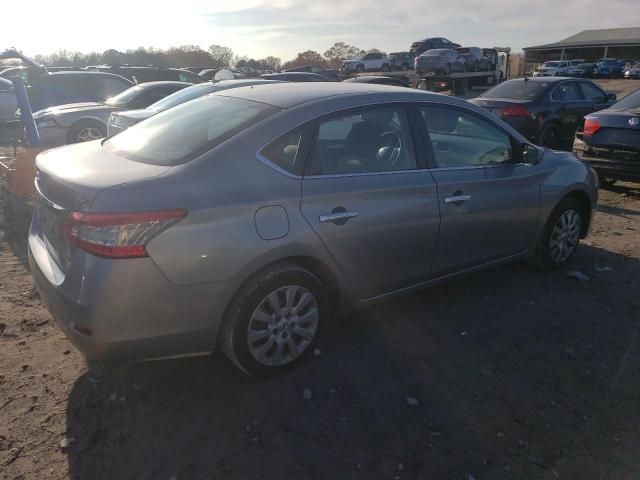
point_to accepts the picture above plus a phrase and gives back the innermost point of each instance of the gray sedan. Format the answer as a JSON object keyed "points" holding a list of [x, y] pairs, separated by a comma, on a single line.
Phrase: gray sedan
{"points": [[82, 122], [249, 217]]}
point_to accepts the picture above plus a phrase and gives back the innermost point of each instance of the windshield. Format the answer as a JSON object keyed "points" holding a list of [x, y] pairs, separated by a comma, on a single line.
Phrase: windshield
{"points": [[182, 96], [630, 102], [584, 65], [182, 133], [124, 97], [636, 65], [517, 89], [608, 62], [551, 64]]}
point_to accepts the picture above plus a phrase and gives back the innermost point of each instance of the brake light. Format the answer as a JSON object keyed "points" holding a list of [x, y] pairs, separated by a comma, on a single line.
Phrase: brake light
{"points": [[118, 235], [515, 111], [591, 126]]}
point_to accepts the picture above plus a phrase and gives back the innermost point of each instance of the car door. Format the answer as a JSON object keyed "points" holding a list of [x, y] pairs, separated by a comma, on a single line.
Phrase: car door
{"points": [[489, 200], [569, 106], [368, 200]]}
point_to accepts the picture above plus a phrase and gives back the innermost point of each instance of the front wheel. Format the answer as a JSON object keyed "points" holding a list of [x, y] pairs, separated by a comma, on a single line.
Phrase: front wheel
{"points": [[86, 131], [359, 69], [385, 68], [275, 320], [560, 237]]}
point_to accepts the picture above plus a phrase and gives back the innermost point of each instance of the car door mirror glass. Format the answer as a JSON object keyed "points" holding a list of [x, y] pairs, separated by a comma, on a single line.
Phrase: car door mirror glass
{"points": [[530, 154]]}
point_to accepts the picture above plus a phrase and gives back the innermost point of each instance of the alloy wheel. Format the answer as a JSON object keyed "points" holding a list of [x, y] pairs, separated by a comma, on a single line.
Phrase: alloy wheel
{"points": [[565, 236], [283, 325], [88, 134]]}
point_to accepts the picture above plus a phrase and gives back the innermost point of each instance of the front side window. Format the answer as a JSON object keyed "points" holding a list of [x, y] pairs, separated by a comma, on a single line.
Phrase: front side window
{"points": [[461, 139], [367, 141], [567, 92], [186, 131], [286, 152]]}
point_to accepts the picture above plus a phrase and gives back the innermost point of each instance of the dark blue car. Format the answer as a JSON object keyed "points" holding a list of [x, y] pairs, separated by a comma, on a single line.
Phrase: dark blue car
{"points": [[609, 68]]}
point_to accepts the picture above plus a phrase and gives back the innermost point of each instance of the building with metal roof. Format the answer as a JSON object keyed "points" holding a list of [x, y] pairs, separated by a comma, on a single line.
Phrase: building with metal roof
{"points": [[590, 45]]}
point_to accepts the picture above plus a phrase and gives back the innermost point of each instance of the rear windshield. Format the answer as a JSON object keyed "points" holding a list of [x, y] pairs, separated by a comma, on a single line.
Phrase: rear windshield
{"points": [[630, 102], [186, 131], [519, 89], [182, 96]]}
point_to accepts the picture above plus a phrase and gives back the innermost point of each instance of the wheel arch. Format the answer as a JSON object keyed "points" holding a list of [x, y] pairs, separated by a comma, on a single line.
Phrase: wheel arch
{"points": [[80, 121]]}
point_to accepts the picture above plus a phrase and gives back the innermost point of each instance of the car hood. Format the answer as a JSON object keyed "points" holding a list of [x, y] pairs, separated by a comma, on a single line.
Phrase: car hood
{"points": [[633, 70], [72, 108], [138, 114]]}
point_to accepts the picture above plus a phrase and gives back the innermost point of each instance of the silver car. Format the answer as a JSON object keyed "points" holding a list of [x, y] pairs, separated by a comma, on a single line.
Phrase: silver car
{"points": [[440, 60], [121, 120], [249, 217], [83, 122]]}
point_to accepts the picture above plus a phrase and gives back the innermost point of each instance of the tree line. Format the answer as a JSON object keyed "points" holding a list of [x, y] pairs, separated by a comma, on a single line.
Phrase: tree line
{"points": [[216, 56]]}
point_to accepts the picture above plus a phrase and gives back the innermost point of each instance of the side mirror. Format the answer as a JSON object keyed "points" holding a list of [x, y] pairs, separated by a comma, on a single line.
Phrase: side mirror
{"points": [[612, 97], [530, 154]]}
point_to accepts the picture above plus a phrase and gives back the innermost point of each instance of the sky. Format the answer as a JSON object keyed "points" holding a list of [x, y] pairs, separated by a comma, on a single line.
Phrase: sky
{"points": [[282, 28]]}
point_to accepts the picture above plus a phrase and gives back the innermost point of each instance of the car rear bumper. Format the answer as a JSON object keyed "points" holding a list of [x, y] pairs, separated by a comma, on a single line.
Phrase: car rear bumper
{"points": [[620, 165], [115, 310]]}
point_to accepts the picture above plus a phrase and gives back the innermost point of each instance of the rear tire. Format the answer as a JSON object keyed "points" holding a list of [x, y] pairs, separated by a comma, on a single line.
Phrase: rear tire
{"points": [[274, 320], [561, 235], [550, 136]]}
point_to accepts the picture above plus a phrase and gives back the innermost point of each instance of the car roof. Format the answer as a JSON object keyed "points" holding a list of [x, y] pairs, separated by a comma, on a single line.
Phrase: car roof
{"points": [[288, 95], [547, 79], [244, 81]]}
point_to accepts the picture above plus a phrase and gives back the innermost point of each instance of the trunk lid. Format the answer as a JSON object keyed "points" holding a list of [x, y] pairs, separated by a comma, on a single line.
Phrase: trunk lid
{"points": [[68, 179], [495, 106], [616, 131]]}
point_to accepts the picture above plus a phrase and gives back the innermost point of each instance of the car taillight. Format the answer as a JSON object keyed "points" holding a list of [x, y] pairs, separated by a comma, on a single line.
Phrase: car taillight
{"points": [[591, 126], [515, 111], [118, 235]]}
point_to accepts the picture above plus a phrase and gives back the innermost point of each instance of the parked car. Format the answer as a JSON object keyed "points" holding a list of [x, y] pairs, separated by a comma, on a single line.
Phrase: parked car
{"points": [[294, 77], [366, 62], [146, 73], [123, 119], [581, 70], [547, 111], [329, 75], [401, 60], [552, 69], [83, 122], [208, 73], [608, 68], [378, 80], [633, 72], [440, 60], [610, 141], [421, 46], [575, 62], [8, 101], [474, 59], [248, 219]]}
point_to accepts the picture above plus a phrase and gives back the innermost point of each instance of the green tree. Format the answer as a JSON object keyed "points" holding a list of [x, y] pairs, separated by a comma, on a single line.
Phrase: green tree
{"points": [[339, 52], [220, 56], [310, 57]]}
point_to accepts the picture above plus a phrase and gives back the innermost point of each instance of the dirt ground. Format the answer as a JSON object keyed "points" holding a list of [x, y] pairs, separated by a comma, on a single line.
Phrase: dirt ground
{"points": [[516, 374]]}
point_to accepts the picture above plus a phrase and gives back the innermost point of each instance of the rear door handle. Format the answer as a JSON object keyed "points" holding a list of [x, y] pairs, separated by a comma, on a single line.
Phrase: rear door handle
{"points": [[457, 199], [337, 217]]}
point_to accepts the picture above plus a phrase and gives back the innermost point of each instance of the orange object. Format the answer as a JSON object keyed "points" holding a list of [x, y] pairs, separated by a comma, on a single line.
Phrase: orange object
{"points": [[17, 174]]}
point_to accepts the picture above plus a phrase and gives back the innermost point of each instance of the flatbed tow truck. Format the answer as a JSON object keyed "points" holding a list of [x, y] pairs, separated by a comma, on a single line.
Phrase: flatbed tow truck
{"points": [[459, 83]]}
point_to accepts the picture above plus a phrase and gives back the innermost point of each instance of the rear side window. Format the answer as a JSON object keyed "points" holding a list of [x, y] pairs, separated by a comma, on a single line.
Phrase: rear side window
{"points": [[186, 131], [592, 93], [286, 152]]}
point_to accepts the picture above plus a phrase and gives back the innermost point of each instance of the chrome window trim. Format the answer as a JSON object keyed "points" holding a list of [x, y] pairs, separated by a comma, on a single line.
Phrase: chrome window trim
{"points": [[365, 174]]}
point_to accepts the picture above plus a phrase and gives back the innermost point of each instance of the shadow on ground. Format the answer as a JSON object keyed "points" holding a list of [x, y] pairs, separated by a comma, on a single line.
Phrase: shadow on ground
{"points": [[512, 370]]}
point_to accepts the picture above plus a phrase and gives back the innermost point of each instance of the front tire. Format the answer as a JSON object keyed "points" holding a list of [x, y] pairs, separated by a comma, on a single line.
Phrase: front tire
{"points": [[274, 320], [560, 237], [550, 136], [86, 131], [359, 69], [385, 68]]}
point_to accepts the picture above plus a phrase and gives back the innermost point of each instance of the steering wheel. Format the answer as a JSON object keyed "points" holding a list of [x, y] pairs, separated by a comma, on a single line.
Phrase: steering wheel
{"points": [[390, 141]]}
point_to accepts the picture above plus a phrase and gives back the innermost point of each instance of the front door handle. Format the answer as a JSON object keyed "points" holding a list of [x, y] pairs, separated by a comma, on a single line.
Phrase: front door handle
{"points": [[457, 199], [337, 217]]}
